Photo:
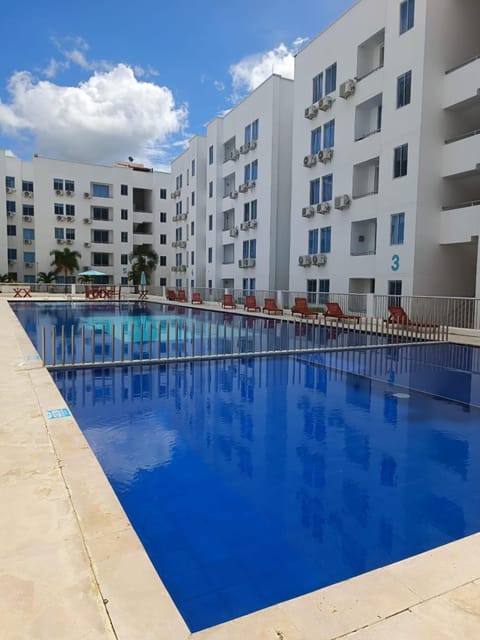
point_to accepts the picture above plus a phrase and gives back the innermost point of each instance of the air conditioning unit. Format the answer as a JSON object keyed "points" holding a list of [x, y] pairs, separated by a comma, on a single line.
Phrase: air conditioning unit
{"points": [[304, 261], [233, 194], [173, 195], [234, 155], [252, 224], [174, 268], [29, 265], [234, 232], [347, 89], [27, 218], [59, 192], [28, 194], [252, 184], [60, 218], [323, 207], [70, 218], [311, 111], [310, 161], [174, 244], [11, 262], [245, 148], [10, 214], [184, 216], [87, 195], [69, 241], [319, 259], [243, 263], [251, 262], [182, 244], [60, 241], [28, 241], [69, 193], [308, 212], [87, 244], [244, 226], [243, 188], [342, 202], [182, 267], [325, 103], [87, 221], [253, 145], [10, 190], [325, 155]]}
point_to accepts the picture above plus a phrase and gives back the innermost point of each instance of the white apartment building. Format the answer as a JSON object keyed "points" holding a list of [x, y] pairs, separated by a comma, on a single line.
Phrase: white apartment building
{"points": [[100, 211], [188, 192], [386, 152], [248, 191]]}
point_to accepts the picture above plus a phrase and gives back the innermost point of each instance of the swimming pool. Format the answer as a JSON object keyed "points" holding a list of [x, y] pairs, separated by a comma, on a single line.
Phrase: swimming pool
{"points": [[251, 481]]}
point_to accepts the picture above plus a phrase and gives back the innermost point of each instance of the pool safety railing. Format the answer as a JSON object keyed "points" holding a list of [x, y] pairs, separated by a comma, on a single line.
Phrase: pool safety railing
{"points": [[233, 336]]}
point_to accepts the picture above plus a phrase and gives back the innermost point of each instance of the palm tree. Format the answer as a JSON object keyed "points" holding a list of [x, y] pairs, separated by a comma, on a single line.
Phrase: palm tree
{"points": [[47, 278], [66, 261], [142, 258]]}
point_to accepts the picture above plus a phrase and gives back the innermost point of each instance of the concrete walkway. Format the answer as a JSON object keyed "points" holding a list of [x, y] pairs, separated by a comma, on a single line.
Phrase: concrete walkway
{"points": [[71, 567]]}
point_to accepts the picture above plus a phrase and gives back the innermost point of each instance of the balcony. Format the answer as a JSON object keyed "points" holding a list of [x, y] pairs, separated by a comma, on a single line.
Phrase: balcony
{"points": [[370, 55], [368, 118], [366, 178], [462, 85], [459, 222], [461, 155], [363, 241]]}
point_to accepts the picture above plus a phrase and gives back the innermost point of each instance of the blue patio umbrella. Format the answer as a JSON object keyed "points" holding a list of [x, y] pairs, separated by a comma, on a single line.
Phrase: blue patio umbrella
{"points": [[143, 280]]}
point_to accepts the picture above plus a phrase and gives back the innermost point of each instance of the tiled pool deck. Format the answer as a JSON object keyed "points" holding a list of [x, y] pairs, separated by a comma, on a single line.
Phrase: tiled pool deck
{"points": [[71, 566]]}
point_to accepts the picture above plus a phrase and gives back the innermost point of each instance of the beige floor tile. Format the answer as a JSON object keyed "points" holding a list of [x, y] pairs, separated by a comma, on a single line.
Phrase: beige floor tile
{"points": [[404, 626]]}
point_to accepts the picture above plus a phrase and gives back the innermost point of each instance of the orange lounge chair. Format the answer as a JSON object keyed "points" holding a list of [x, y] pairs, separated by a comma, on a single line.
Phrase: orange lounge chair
{"points": [[271, 307], [171, 295], [251, 304], [301, 308], [228, 302], [334, 310], [398, 315], [196, 298], [181, 296]]}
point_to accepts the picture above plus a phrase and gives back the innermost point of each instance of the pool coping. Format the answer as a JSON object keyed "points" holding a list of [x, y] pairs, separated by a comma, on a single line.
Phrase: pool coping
{"points": [[103, 583]]}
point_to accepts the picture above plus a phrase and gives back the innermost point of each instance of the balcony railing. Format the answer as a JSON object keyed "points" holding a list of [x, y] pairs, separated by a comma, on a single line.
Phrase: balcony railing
{"points": [[368, 73], [461, 205], [470, 134], [462, 64], [367, 135], [365, 195]]}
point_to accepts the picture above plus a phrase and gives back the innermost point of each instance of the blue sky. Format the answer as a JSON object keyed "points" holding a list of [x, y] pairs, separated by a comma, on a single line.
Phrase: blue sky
{"points": [[100, 81]]}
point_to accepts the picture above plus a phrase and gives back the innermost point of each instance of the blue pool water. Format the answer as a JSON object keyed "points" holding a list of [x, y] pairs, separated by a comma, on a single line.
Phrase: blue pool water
{"points": [[255, 480]]}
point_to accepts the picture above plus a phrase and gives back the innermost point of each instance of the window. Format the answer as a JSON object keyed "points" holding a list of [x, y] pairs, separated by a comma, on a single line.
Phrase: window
{"points": [[100, 236], [246, 173], [316, 140], [188, 177], [100, 259], [70, 234], [58, 233], [248, 133], [163, 216], [331, 78], [325, 239], [394, 293], [12, 254], [58, 184], [249, 248], [210, 154], [210, 189], [329, 135], [70, 185], [100, 190], [192, 228], [124, 258], [255, 129], [210, 254], [313, 241], [28, 210], [11, 206], [253, 210], [315, 191], [27, 185], [178, 259], [163, 194], [10, 182], [404, 89], [210, 282], [397, 228], [317, 88], [327, 188], [124, 236], [254, 169], [124, 214], [163, 282], [178, 182], [407, 15], [29, 256], [29, 234], [210, 222], [70, 210], [178, 234], [193, 168], [178, 208], [323, 288], [192, 198], [124, 189], [11, 230], [312, 291], [400, 161], [163, 261], [58, 209], [192, 257], [163, 238], [100, 213]]}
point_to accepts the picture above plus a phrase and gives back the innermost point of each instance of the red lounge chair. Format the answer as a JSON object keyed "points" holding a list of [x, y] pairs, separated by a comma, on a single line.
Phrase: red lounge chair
{"points": [[301, 308], [251, 304], [334, 310], [271, 307], [196, 298], [398, 315], [228, 302], [181, 296], [171, 295]]}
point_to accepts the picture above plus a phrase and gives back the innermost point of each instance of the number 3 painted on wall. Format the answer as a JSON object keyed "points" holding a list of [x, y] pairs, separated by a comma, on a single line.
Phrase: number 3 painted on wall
{"points": [[395, 262]]}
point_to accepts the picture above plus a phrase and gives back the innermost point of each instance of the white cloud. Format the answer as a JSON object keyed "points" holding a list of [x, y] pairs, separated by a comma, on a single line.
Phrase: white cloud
{"points": [[219, 86], [108, 117], [251, 71]]}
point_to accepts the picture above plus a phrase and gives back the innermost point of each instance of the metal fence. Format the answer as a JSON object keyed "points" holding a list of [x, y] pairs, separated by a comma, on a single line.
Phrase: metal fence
{"points": [[230, 336]]}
